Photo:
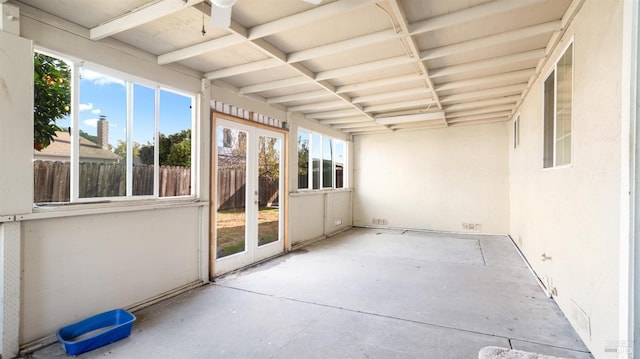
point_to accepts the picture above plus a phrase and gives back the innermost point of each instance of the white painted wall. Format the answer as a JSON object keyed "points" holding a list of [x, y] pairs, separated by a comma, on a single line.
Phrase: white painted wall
{"points": [[573, 214], [74, 267], [433, 179], [314, 214]]}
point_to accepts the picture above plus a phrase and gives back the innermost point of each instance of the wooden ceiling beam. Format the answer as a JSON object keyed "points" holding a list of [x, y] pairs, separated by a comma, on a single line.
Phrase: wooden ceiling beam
{"points": [[139, 16], [469, 14], [492, 40], [492, 63]]}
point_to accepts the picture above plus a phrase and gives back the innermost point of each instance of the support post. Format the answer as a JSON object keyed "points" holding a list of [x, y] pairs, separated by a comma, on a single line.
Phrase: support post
{"points": [[10, 289]]}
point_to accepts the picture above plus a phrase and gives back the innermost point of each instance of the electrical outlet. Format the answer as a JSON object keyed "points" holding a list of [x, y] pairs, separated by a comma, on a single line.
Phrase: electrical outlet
{"points": [[465, 225]]}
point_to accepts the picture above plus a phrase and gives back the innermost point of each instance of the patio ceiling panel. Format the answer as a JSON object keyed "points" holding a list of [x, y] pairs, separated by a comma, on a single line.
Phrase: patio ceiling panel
{"points": [[345, 63]]}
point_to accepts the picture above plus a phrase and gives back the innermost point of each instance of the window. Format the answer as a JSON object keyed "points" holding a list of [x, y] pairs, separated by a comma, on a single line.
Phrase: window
{"points": [[327, 162], [303, 159], [558, 94], [327, 157], [339, 163], [125, 138]]}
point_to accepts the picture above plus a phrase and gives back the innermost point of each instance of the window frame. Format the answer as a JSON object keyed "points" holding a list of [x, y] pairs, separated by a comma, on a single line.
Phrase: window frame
{"points": [[130, 80], [553, 71], [516, 131], [310, 175]]}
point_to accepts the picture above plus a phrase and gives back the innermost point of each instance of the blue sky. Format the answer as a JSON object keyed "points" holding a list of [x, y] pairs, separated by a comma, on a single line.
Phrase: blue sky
{"points": [[104, 95]]}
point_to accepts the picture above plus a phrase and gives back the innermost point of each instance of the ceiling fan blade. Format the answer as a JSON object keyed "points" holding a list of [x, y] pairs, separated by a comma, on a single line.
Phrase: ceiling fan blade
{"points": [[220, 16], [314, 2]]}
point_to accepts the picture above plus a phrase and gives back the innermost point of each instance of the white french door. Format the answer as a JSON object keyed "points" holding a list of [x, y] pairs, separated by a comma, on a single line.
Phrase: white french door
{"points": [[249, 174]]}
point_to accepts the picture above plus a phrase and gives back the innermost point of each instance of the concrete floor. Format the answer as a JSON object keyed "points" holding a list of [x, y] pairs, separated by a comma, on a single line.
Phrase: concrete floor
{"points": [[362, 294]]}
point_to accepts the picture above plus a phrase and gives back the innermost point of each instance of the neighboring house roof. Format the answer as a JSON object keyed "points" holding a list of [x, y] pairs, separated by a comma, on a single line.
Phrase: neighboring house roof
{"points": [[61, 148]]}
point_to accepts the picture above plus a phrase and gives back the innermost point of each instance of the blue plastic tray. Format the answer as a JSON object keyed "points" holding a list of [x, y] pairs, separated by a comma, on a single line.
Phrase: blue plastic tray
{"points": [[96, 331]]}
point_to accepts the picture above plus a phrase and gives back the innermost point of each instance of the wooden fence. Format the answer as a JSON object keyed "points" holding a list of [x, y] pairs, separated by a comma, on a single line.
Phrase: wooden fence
{"points": [[231, 189], [52, 180]]}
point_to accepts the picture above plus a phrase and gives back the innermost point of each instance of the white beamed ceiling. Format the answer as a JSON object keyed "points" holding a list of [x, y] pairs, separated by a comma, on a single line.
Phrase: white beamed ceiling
{"points": [[358, 66]]}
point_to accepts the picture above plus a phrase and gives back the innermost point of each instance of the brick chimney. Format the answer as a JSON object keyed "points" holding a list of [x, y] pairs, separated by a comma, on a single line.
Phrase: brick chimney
{"points": [[103, 132]]}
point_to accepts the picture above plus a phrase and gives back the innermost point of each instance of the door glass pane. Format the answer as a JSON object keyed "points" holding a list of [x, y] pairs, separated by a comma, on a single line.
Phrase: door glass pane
{"points": [[232, 187], [268, 189]]}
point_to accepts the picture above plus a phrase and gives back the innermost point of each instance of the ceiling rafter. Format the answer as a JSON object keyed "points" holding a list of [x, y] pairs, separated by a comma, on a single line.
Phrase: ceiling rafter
{"points": [[419, 117], [139, 16], [400, 105], [483, 103], [378, 83], [344, 120], [417, 126], [413, 47], [479, 111], [489, 93], [345, 45], [355, 125], [492, 40], [252, 37], [274, 85], [303, 18], [199, 49], [367, 130], [486, 80], [388, 95], [242, 69], [350, 112], [260, 31], [336, 104], [472, 13], [364, 67], [503, 114], [494, 62], [298, 96]]}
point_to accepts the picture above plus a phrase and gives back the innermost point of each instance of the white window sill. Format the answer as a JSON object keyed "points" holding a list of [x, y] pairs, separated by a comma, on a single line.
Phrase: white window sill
{"points": [[316, 192], [79, 209]]}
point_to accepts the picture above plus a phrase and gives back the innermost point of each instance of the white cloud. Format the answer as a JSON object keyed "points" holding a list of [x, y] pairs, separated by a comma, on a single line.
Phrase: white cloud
{"points": [[86, 106], [96, 111], [92, 122], [98, 78]]}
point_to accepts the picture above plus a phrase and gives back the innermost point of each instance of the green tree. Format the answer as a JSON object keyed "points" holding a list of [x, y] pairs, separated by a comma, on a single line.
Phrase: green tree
{"points": [[121, 149], [174, 150], [268, 158], [146, 153], [303, 163], [52, 98], [89, 137]]}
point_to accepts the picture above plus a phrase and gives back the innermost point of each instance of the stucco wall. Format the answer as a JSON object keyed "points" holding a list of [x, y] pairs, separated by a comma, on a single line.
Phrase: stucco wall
{"points": [[572, 214], [433, 179], [74, 267]]}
